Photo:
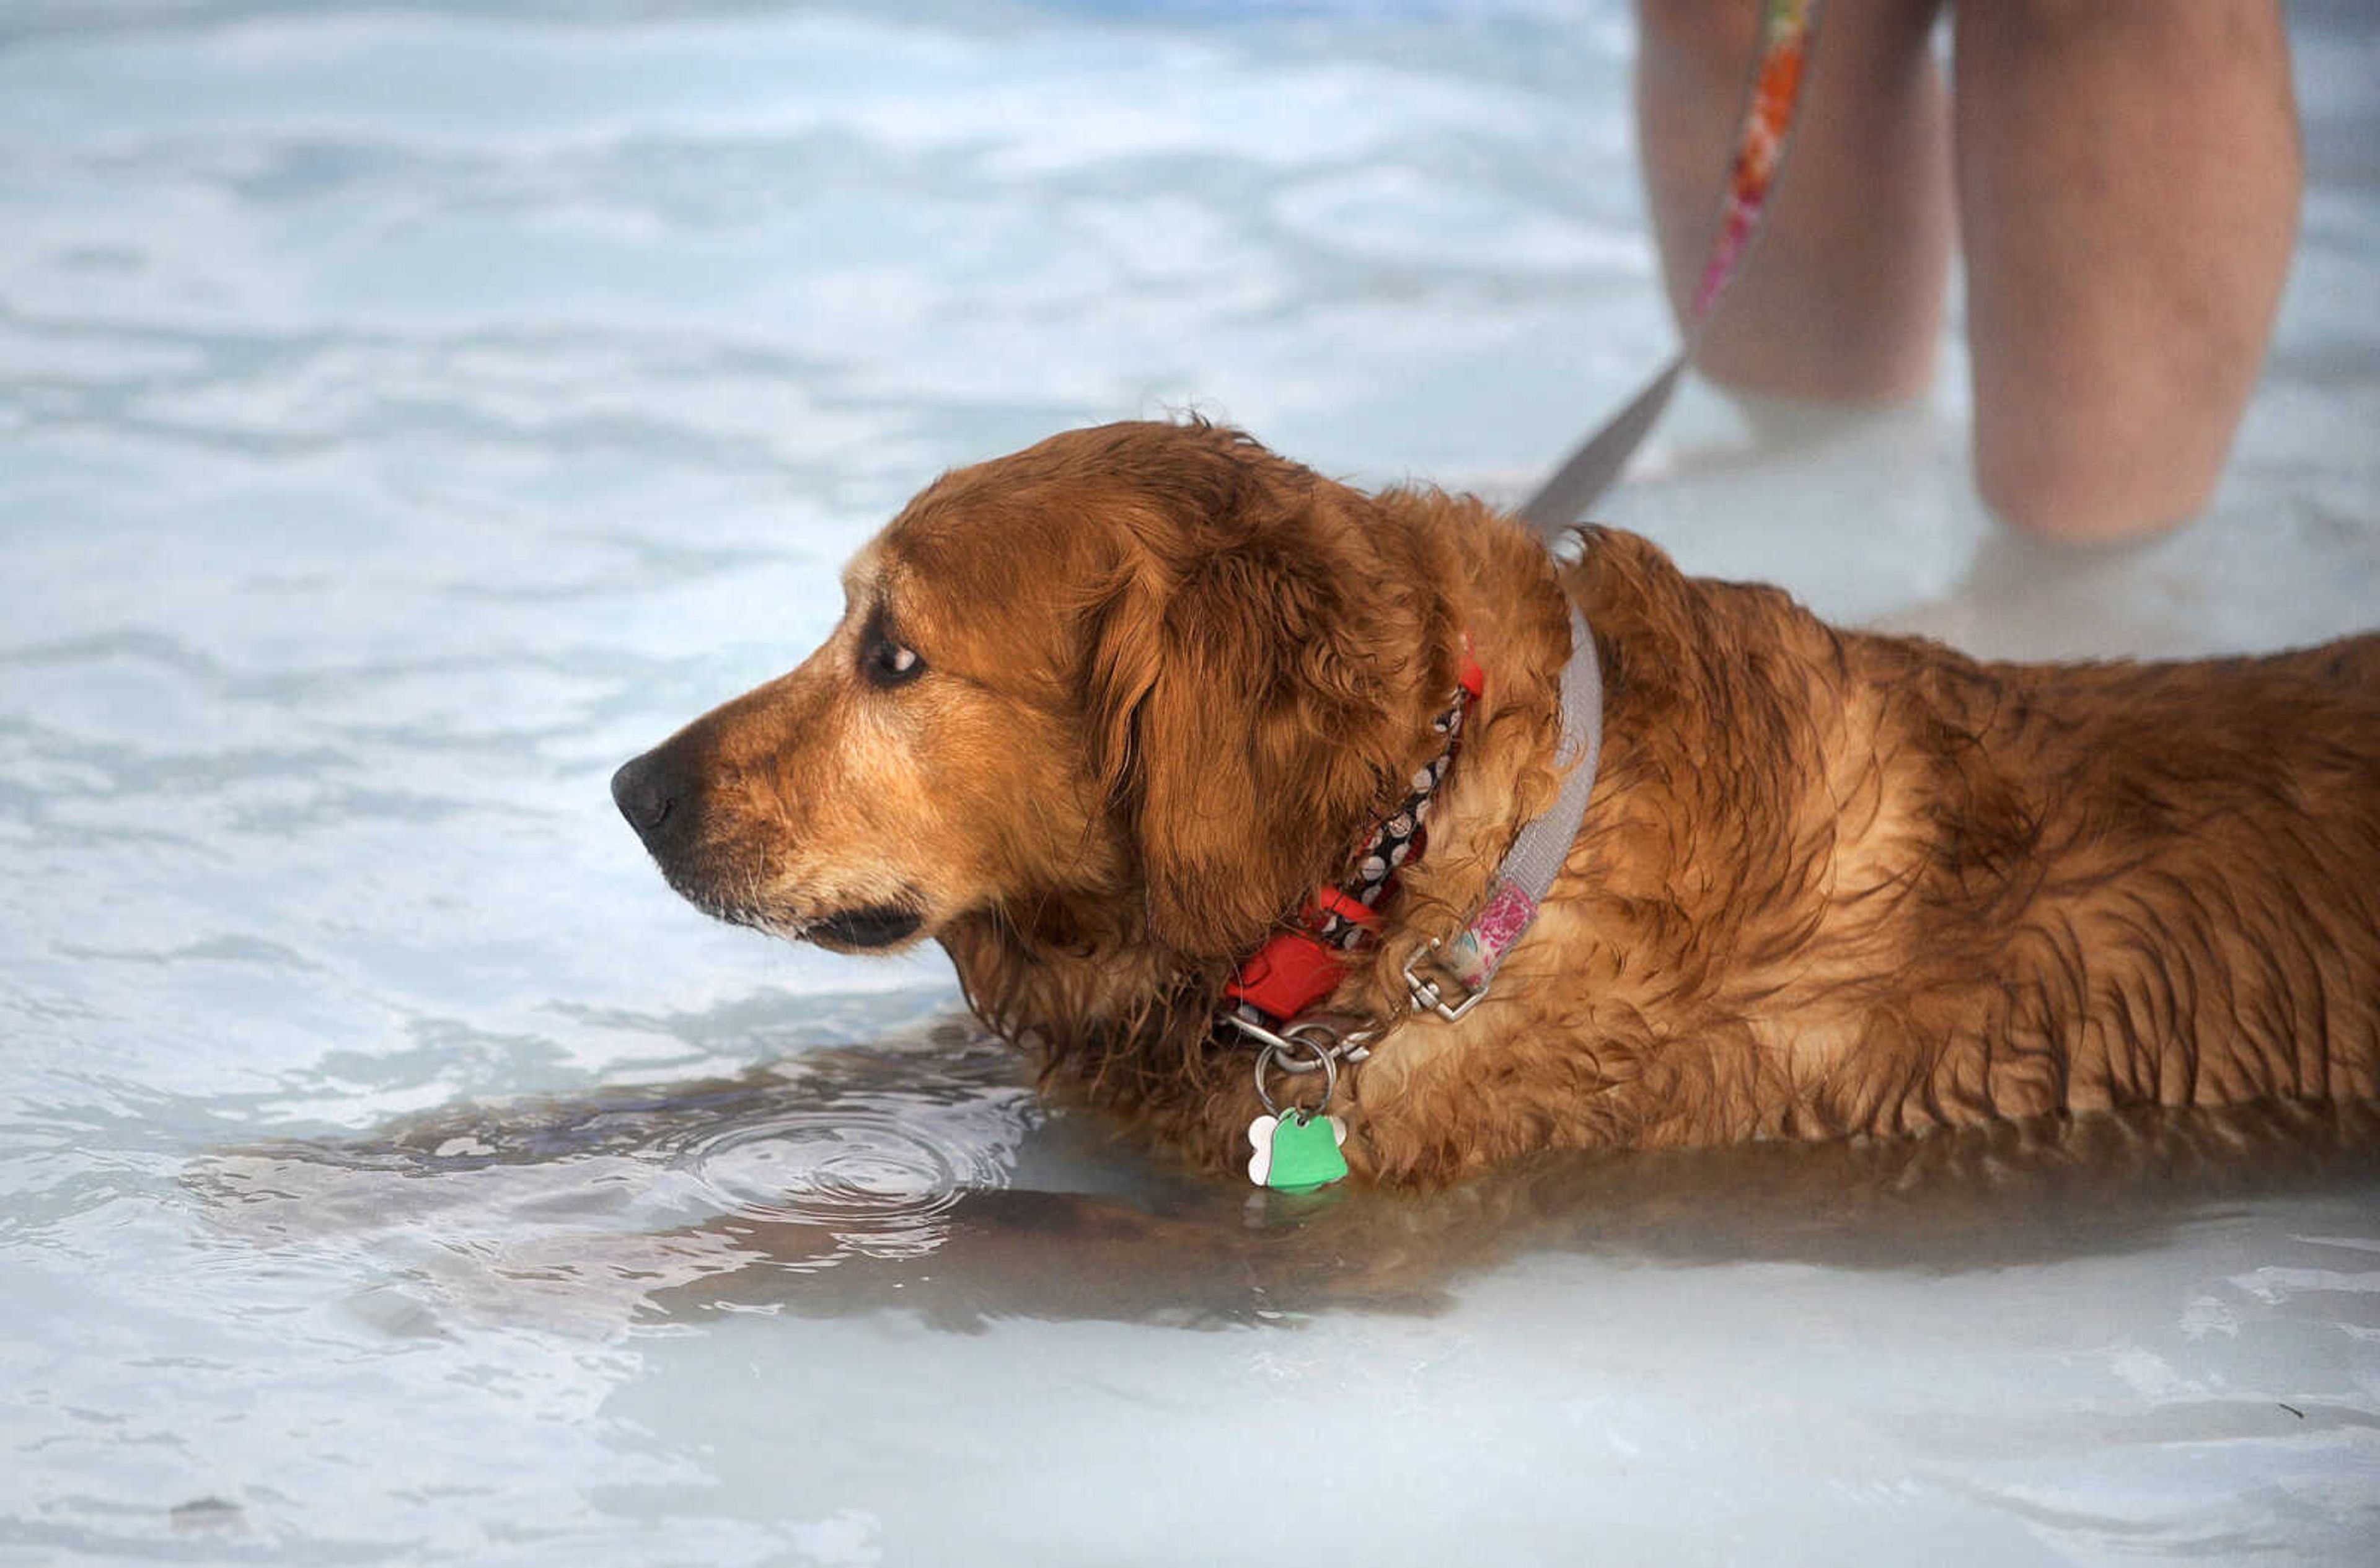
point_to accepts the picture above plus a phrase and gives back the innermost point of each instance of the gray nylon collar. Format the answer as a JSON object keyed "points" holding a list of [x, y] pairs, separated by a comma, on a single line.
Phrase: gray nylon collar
{"points": [[1449, 978]]}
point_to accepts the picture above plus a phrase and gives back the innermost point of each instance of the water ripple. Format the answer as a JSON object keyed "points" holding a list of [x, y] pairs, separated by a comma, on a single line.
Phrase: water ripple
{"points": [[877, 1175]]}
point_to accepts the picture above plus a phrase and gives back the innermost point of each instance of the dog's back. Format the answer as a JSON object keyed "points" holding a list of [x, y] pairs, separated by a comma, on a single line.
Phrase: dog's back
{"points": [[2351, 664], [2202, 915], [1930, 891]]}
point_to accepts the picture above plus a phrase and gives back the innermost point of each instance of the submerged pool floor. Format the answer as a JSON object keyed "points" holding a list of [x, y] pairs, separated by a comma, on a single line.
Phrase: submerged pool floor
{"points": [[409, 412]]}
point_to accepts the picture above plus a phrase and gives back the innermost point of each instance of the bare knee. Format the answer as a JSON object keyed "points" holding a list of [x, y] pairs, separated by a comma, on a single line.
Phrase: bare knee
{"points": [[2137, 28], [1711, 32]]}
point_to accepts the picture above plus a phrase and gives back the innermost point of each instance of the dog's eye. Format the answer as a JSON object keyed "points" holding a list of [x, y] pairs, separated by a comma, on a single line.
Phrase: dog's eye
{"points": [[886, 662]]}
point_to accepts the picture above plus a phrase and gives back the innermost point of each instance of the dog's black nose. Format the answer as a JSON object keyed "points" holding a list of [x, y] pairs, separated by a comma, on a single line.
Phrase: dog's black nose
{"points": [[645, 793]]}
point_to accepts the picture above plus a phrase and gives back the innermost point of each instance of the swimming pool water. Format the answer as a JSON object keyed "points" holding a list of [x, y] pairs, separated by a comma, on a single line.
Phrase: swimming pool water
{"points": [[408, 411]]}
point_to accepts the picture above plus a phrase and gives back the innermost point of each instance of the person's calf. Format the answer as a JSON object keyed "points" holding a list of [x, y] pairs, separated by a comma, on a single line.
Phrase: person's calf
{"points": [[2128, 182], [1841, 298]]}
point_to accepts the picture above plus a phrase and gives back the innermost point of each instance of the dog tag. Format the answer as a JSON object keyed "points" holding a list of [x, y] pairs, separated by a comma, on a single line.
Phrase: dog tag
{"points": [[1297, 1152]]}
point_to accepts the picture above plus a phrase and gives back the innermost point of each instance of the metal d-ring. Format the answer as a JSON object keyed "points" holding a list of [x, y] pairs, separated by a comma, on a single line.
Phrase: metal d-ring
{"points": [[1273, 1056], [1336, 1034]]}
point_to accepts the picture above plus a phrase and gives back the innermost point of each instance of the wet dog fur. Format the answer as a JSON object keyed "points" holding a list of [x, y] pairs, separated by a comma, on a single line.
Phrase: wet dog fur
{"points": [[1100, 713]]}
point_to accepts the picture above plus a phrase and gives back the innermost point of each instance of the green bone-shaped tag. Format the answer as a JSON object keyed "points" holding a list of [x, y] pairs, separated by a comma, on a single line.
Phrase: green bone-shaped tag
{"points": [[1296, 1153]]}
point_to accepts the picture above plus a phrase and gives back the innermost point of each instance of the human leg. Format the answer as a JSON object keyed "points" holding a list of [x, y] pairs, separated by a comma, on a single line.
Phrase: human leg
{"points": [[2128, 180], [1843, 299]]}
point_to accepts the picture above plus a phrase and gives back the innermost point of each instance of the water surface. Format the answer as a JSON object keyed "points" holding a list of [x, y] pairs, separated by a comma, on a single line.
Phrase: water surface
{"points": [[408, 411]]}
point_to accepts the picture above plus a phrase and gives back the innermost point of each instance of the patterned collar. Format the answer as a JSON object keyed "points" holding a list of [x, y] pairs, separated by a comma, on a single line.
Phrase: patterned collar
{"points": [[1300, 965]]}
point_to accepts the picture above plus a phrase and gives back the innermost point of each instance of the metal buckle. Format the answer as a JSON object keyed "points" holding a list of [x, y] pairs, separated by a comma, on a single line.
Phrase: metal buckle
{"points": [[1429, 997]]}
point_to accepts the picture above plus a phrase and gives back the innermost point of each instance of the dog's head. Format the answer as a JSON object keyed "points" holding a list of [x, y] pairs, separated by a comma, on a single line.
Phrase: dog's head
{"points": [[1140, 685]]}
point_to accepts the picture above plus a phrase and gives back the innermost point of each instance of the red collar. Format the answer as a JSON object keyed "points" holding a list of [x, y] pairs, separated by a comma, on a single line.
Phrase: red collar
{"points": [[1300, 965]]}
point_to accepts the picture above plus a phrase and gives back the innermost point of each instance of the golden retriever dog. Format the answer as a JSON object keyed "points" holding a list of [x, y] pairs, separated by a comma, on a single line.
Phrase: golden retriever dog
{"points": [[1101, 716]]}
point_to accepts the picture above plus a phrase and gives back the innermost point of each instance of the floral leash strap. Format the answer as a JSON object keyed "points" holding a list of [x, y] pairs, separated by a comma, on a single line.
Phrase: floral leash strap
{"points": [[1788, 29]]}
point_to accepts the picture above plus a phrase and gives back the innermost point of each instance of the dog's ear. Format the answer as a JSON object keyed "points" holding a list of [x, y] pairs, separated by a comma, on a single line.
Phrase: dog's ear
{"points": [[1251, 703]]}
